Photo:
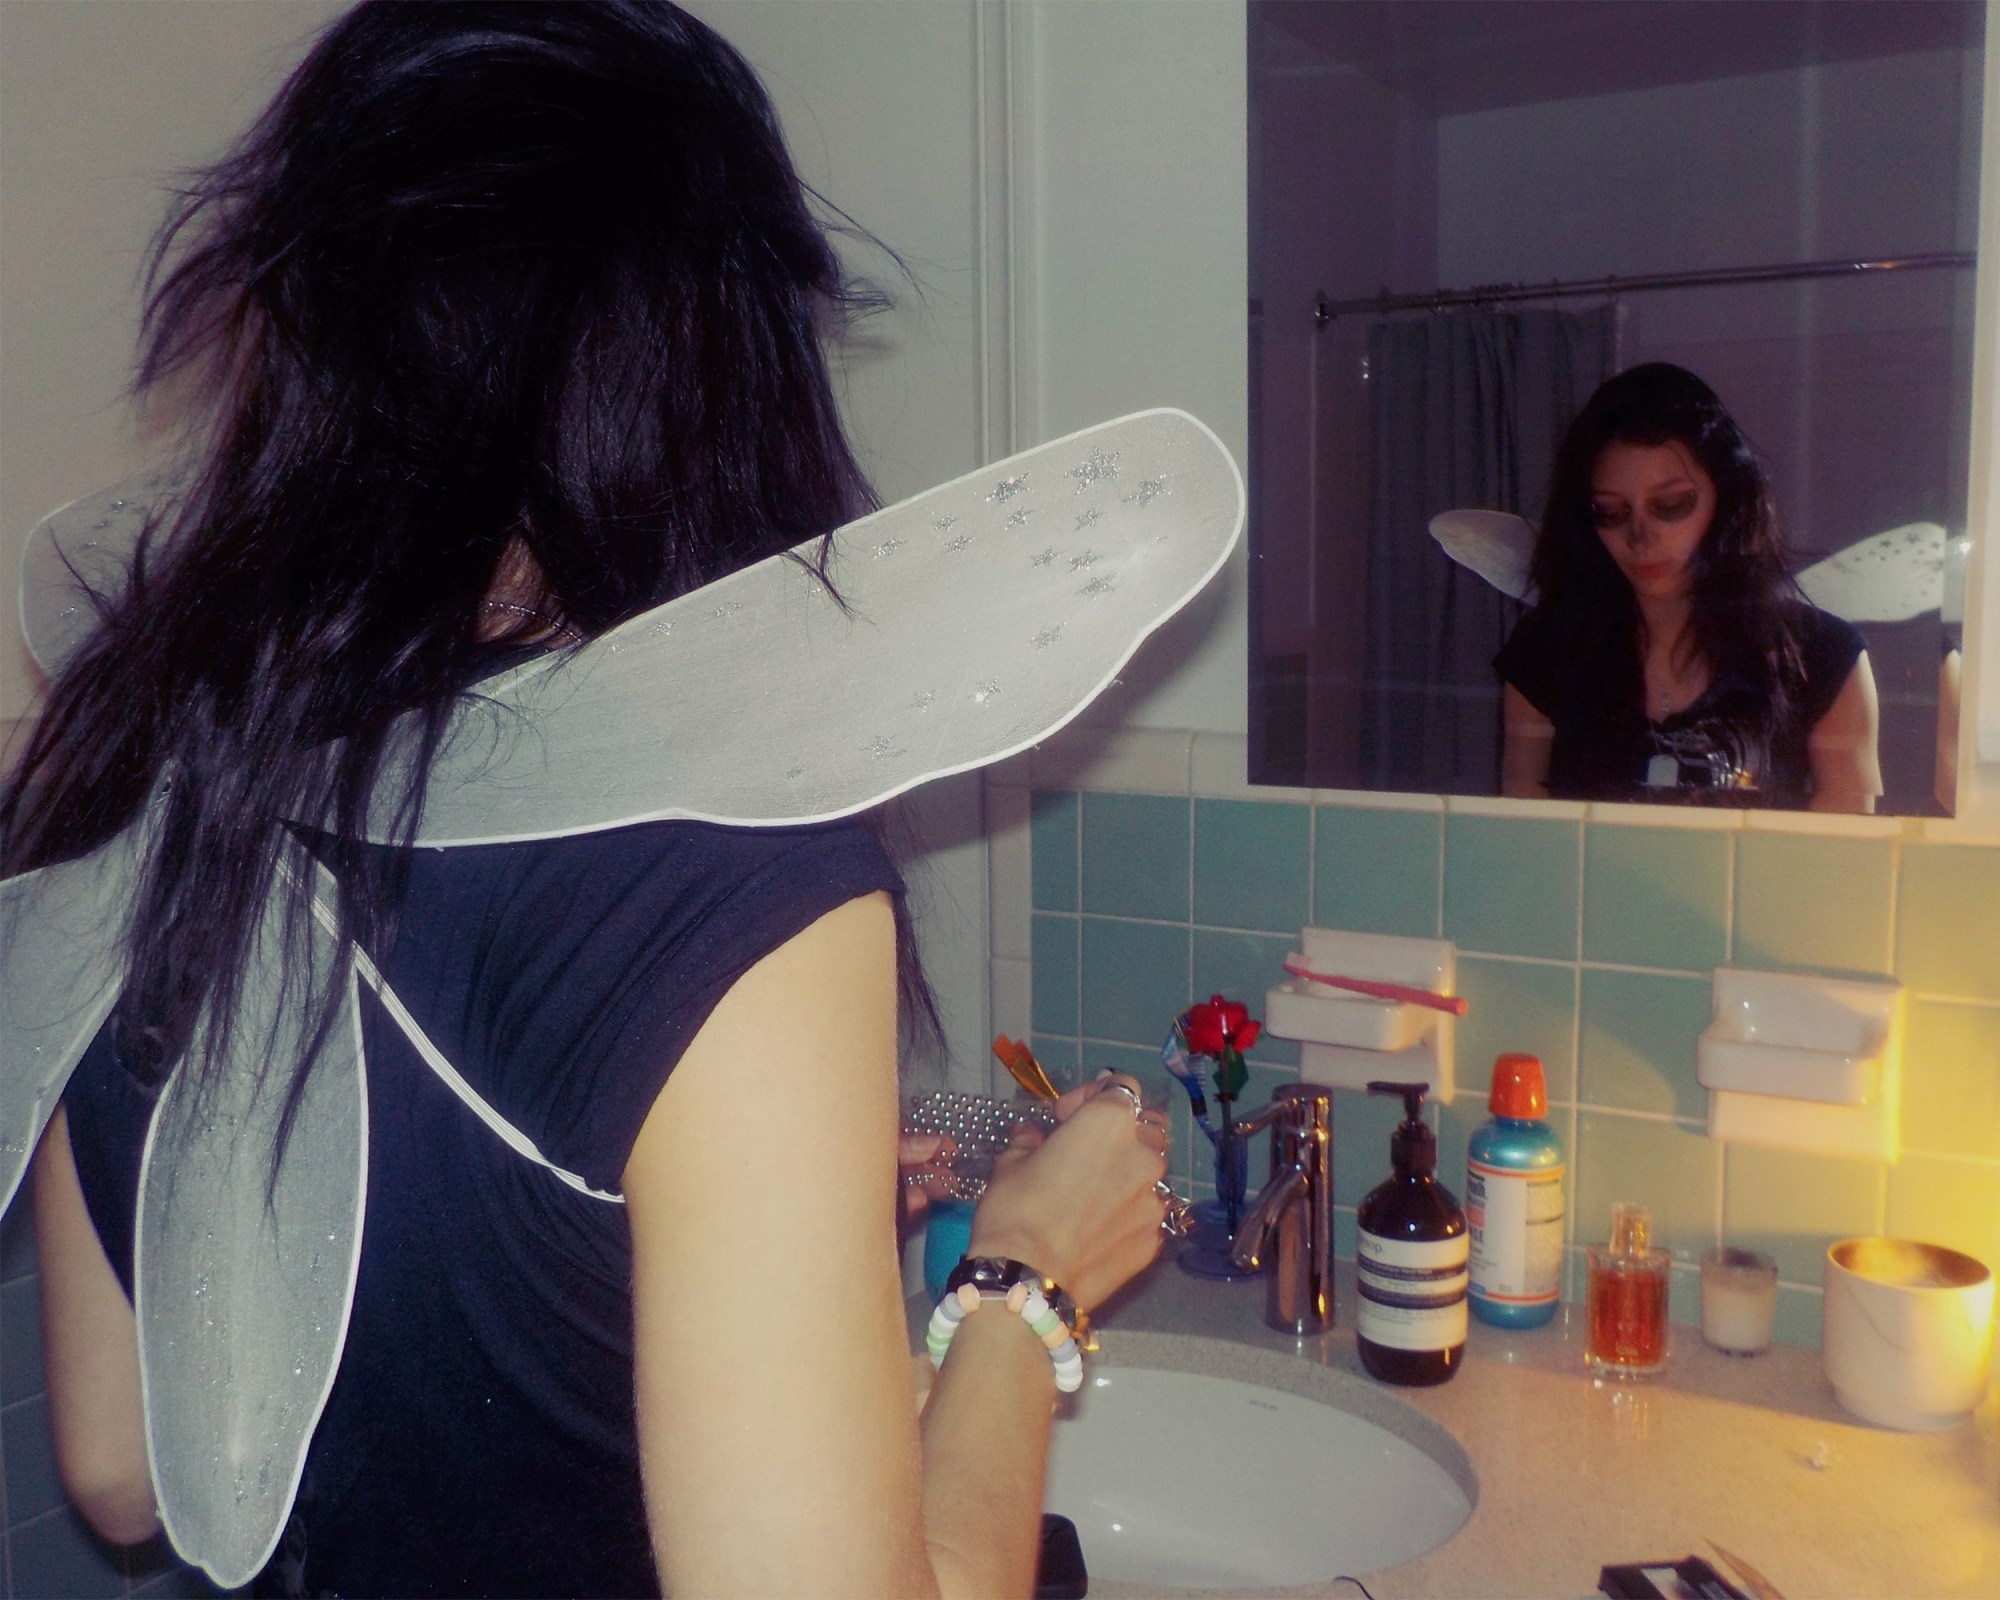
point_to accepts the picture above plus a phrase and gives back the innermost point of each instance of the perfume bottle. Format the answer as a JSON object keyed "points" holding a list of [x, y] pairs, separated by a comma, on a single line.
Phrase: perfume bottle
{"points": [[1627, 1302]]}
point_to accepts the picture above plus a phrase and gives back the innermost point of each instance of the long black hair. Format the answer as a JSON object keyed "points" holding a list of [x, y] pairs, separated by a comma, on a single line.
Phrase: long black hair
{"points": [[1744, 600], [487, 277]]}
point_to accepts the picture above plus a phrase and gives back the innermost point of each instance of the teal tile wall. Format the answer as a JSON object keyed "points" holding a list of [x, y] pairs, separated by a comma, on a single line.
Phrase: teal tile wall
{"points": [[1803, 901], [1588, 943], [1656, 897], [1053, 823], [1377, 871], [1637, 1041], [1251, 861], [1135, 856], [1510, 885]]}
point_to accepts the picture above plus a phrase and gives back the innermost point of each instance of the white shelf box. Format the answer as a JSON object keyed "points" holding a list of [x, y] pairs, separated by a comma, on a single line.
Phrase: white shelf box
{"points": [[1803, 1062], [1346, 1039]]}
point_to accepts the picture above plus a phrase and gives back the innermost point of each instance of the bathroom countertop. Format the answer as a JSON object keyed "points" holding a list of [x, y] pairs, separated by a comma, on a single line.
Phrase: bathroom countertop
{"points": [[1573, 1472]]}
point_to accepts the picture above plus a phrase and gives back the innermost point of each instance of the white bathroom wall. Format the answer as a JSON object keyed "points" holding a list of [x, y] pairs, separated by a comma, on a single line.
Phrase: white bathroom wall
{"points": [[100, 102], [879, 101], [1136, 278]]}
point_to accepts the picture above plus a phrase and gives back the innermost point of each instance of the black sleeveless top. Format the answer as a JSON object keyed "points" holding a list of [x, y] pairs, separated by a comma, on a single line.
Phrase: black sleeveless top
{"points": [[480, 1438], [1606, 748]]}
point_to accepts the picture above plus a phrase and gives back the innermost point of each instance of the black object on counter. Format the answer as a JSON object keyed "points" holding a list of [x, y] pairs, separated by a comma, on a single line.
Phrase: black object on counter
{"points": [[1059, 1573], [1691, 1579]]}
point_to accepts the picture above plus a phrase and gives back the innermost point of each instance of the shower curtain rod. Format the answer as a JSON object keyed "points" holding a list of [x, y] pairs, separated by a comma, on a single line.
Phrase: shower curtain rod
{"points": [[1326, 310]]}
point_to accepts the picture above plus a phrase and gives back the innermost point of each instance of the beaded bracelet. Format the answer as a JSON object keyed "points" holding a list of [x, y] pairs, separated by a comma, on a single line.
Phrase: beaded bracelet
{"points": [[1022, 1297]]}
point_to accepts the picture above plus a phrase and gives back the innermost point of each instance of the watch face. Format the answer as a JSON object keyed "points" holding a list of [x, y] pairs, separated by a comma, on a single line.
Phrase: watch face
{"points": [[996, 1275]]}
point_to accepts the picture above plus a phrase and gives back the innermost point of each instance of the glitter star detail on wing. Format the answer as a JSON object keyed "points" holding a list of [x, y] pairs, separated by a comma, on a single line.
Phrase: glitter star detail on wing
{"points": [[1006, 489], [1094, 468]]}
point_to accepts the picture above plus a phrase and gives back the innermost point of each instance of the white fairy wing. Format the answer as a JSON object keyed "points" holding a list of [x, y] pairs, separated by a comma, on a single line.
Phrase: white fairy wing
{"points": [[980, 617], [242, 1305], [1497, 545], [62, 964], [1951, 601], [81, 553], [1889, 577]]}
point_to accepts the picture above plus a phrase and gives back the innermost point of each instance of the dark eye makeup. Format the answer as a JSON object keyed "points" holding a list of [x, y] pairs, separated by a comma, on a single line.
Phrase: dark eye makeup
{"points": [[1675, 507]]}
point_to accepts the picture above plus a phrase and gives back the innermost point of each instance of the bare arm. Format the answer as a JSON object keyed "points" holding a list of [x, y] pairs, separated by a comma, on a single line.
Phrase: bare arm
{"points": [[780, 1450], [92, 1354], [1846, 767], [1524, 758]]}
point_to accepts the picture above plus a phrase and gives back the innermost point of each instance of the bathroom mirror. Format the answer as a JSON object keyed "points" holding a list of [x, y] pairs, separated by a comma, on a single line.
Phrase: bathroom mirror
{"points": [[1464, 214]]}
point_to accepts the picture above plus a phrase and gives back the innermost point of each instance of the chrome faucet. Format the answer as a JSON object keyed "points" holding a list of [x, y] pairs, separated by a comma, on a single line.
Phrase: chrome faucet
{"points": [[1290, 1225]]}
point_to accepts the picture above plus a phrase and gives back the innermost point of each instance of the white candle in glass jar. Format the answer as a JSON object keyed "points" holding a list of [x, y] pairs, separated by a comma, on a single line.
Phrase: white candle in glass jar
{"points": [[1739, 1300]]}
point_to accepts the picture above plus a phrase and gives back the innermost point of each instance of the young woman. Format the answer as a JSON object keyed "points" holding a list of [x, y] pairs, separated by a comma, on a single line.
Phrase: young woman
{"points": [[502, 327], [1669, 655]]}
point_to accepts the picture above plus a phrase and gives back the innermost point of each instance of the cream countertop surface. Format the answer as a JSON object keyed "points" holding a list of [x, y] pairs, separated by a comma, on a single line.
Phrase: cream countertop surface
{"points": [[1573, 1473]]}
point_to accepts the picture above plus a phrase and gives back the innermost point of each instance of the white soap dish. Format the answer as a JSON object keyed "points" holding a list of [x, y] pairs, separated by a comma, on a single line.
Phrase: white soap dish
{"points": [[1804, 1062], [1315, 1013], [1346, 1039]]}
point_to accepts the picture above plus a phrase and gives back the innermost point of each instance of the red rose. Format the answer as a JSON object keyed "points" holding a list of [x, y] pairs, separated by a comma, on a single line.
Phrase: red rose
{"points": [[1217, 1025], [1205, 1029]]}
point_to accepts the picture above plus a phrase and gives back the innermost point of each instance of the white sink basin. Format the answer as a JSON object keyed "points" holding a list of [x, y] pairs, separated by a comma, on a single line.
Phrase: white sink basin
{"points": [[1183, 1480]]}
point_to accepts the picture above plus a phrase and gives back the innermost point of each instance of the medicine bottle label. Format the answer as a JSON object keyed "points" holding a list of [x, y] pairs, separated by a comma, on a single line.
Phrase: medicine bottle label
{"points": [[1412, 1291], [1516, 1220]]}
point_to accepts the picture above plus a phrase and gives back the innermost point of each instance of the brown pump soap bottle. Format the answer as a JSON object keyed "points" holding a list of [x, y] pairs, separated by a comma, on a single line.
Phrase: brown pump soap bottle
{"points": [[1412, 1260]]}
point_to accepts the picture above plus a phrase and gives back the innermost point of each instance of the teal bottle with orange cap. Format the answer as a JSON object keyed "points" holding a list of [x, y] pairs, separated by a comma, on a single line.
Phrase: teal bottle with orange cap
{"points": [[1514, 1201]]}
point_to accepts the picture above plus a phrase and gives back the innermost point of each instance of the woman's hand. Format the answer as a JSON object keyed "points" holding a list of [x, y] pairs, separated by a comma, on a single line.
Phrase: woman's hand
{"points": [[1080, 1205], [918, 1156]]}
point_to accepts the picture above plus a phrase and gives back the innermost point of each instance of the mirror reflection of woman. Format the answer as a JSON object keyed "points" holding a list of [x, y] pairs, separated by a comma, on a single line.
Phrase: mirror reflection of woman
{"points": [[1669, 655]]}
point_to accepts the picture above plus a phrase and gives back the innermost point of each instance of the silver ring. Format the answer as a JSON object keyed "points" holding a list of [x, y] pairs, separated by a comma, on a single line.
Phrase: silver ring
{"points": [[1178, 1223], [1115, 1087]]}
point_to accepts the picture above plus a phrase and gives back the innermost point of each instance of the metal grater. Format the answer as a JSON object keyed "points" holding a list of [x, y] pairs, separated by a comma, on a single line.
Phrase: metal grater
{"points": [[979, 1126]]}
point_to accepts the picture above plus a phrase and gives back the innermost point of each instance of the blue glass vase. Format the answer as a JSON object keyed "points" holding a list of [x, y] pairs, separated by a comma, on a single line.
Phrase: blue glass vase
{"points": [[1216, 1221]]}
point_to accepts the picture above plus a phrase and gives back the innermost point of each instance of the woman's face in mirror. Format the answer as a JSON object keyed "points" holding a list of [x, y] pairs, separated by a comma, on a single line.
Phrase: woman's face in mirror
{"points": [[1652, 505]]}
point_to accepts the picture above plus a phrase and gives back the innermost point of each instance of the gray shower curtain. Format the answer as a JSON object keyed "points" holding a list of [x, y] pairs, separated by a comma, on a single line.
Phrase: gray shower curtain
{"points": [[1469, 406]]}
